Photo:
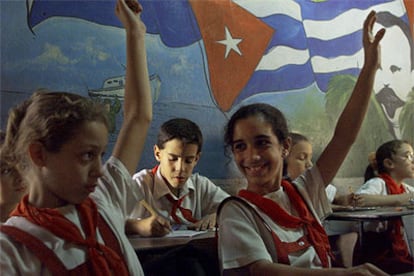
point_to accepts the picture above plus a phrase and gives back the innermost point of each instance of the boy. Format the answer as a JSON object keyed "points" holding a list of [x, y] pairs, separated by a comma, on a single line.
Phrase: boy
{"points": [[171, 186]]}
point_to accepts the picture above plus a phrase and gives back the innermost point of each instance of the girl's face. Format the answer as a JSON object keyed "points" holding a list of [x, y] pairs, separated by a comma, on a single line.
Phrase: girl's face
{"points": [[11, 185], [258, 154], [299, 159], [402, 163], [70, 175]]}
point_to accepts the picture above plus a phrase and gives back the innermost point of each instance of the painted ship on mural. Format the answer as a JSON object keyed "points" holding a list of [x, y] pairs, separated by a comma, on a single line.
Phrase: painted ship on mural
{"points": [[114, 87]]}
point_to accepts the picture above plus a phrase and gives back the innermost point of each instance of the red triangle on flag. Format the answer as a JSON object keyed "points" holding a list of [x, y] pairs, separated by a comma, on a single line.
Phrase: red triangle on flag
{"points": [[409, 6], [230, 68]]}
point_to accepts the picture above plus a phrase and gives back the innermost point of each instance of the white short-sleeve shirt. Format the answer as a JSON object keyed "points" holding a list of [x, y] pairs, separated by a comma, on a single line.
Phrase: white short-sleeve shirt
{"points": [[244, 239], [115, 196], [377, 186], [202, 196]]}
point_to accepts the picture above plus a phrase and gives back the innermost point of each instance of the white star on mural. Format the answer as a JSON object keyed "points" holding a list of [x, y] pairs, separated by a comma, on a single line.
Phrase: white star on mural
{"points": [[230, 43]]}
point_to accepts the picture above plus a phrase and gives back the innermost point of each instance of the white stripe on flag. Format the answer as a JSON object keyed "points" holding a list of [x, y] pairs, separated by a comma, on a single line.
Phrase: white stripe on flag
{"points": [[281, 56], [270, 7], [347, 22], [324, 65]]}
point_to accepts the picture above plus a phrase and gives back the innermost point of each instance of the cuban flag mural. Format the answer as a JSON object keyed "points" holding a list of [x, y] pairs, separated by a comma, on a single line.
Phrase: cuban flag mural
{"points": [[208, 57]]}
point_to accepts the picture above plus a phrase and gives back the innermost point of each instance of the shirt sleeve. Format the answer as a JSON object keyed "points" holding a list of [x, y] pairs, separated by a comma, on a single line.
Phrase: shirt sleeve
{"points": [[240, 242], [116, 188], [142, 181], [211, 195], [312, 189], [374, 186], [408, 188], [330, 192]]}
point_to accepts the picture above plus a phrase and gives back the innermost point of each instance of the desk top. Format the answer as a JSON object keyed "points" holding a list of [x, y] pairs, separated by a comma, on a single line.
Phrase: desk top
{"points": [[143, 243], [378, 213]]}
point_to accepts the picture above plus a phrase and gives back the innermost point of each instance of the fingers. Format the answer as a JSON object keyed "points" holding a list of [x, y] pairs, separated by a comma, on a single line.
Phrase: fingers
{"points": [[204, 226], [164, 223], [160, 227], [370, 20], [379, 36], [200, 225], [134, 5], [368, 25], [127, 9]]}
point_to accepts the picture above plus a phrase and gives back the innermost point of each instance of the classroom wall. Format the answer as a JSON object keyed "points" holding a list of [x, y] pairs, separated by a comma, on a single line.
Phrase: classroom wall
{"points": [[207, 58]]}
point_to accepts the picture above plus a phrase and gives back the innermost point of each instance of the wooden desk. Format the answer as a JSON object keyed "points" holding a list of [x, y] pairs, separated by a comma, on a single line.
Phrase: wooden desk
{"points": [[369, 214], [154, 253], [162, 243], [362, 215]]}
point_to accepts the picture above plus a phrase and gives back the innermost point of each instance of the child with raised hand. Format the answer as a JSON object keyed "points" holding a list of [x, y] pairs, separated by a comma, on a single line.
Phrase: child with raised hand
{"points": [[392, 163], [387, 244], [73, 219], [12, 187], [175, 194], [274, 226], [342, 234]]}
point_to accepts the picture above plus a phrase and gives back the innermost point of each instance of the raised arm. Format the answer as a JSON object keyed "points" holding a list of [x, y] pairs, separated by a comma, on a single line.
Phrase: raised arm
{"points": [[351, 118], [137, 101]]}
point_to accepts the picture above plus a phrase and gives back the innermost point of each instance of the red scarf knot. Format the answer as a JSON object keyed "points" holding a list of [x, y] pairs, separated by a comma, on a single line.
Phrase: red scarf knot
{"points": [[176, 205], [314, 230], [104, 260]]}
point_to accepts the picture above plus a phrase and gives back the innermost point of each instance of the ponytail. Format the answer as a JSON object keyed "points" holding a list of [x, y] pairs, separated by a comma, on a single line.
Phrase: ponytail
{"points": [[15, 118]]}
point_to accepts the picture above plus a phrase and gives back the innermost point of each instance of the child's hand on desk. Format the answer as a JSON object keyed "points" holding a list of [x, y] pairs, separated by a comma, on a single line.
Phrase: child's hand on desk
{"points": [[153, 226], [382, 200], [363, 200], [345, 200], [206, 223]]}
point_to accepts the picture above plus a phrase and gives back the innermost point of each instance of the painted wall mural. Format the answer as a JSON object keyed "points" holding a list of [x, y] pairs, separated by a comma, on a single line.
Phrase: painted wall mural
{"points": [[206, 58]]}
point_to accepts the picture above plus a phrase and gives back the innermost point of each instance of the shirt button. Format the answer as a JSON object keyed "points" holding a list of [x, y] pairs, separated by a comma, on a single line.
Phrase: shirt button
{"points": [[301, 243]]}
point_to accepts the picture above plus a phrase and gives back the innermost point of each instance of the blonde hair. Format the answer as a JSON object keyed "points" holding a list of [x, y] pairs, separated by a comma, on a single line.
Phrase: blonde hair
{"points": [[50, 118]]}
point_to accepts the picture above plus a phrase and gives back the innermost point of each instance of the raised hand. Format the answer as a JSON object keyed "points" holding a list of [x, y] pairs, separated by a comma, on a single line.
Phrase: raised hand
{"points": [[370, 42], [128, 12]]}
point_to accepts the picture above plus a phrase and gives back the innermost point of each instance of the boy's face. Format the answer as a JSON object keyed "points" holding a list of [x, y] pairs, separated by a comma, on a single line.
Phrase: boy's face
{"points": [[177, 161]]}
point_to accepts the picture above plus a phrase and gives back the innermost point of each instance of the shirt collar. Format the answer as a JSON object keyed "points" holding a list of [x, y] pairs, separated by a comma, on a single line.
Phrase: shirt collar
{"points": [[161, 188]]}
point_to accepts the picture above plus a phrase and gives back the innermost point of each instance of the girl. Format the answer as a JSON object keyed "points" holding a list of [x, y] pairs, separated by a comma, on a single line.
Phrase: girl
{"points": [[263, 231], [72, 220], [341, 233], [11, 186], [393, 163]]}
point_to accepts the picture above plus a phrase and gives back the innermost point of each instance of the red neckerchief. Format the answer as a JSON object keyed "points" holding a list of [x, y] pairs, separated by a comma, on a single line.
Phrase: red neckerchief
{"points": [[399, 246], [105, 261], [176, 204], [316, 233]]}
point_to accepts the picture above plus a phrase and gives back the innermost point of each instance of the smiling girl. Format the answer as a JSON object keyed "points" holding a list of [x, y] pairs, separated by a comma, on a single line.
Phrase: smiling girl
{"points": [[273, 226]]}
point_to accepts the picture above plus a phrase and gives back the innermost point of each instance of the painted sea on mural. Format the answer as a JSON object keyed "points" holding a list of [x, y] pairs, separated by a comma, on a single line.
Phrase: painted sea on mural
{"points": [[287, 55]]}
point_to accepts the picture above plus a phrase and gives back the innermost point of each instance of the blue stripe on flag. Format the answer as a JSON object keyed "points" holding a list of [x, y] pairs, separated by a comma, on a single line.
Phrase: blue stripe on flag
{"points": [[330, 9]]}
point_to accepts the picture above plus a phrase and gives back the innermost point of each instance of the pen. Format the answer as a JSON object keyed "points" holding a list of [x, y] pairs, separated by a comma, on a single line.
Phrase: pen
{"points": [[351, 191], [175, 227], [148, 207], [154, 213]]}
